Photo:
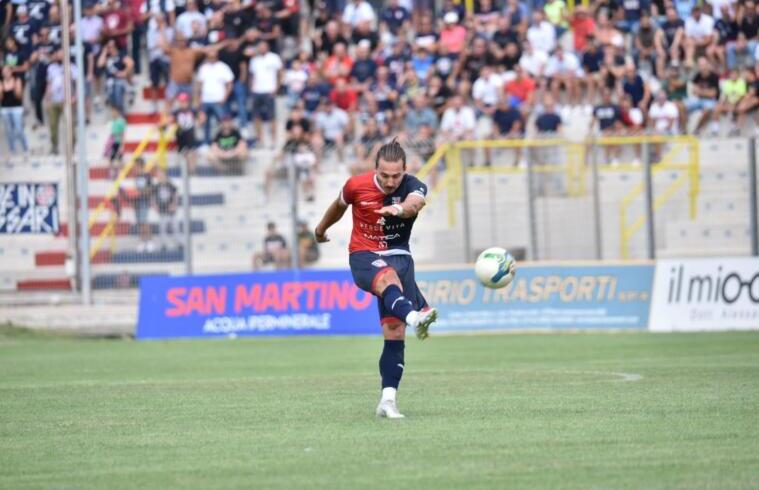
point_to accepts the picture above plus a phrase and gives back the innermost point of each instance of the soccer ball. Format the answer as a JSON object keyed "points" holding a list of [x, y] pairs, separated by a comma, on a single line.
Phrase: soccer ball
{"points": [[493, 267]]}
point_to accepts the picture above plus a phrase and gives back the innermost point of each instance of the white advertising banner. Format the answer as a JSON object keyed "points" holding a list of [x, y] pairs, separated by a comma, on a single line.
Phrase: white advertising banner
{"points": [[705, 294]]}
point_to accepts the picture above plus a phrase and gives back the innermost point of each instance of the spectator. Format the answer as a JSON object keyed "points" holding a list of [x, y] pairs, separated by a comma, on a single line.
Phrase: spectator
{"points": [[541, 35], [166, 202], [115, 154], [740, 54], [583, 27], [15, 58], [22, 32], [333, 124], [699, 35], [419, 114], [459, 121], [563, 69], [649, 51], [508, 123], [187, 120], [521, 89], [265, 77], [296, 155], [486, 91], [294, 81], [12, 110], [182, 60], [733, 90], [358, 11], [556, 13], [549, 122], [308, 249], [663, 115], [158, 58], [314, 93], [608, 115], [364, 69], [118, 73], [634, 87], [533, 62], [592, 60], [118, 24], [395, 17], [142, 199], [705, 93], [676, 87], [55, 95], [190, 16], [453, 36], [229, 151], [214, 81], [274, 251], [673, 29], [748, 105], [237, 103]]}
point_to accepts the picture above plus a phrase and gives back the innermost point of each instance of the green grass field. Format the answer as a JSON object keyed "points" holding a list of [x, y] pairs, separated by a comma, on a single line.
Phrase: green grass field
{"points": [[513, 411]]}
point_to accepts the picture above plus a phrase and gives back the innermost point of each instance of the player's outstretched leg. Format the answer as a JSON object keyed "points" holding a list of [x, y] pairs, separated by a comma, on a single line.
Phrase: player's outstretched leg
{"points": [[391, 365], [402, 308]]}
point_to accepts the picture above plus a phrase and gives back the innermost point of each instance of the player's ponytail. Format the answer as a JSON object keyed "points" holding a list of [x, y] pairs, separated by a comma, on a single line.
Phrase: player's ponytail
{"points": [[391, 152]]}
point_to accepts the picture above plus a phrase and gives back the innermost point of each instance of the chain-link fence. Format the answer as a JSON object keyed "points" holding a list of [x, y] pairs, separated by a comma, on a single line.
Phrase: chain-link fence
{"points": [[554, 199]]}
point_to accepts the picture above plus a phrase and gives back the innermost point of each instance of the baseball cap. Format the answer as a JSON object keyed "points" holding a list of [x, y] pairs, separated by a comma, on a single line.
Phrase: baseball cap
{"points": [[22, 9], [451, 18]]}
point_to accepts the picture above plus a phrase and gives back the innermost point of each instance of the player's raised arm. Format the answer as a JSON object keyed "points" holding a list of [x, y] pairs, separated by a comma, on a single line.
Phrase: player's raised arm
{"points": [[407, 209], [332, 215]]}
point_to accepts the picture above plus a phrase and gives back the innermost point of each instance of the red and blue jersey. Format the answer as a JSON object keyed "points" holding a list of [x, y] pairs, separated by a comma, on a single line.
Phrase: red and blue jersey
{"points": [[372, 232]]}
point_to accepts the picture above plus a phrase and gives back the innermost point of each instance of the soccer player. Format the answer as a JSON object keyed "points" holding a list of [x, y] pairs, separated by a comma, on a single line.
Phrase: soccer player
{"points": [[385, 204]]}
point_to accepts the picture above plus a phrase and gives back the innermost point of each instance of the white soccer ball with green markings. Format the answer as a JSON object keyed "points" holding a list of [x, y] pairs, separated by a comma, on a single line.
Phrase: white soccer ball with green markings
{"points": [[494, 267]]}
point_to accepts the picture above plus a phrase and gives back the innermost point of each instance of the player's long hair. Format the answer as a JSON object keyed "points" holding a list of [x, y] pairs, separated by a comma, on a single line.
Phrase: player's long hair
{"points": [[391, 152]]}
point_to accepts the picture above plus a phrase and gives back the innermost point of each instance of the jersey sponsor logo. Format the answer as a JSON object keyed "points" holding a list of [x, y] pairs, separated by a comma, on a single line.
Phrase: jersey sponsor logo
{"points": [[367, 203], [381, 221], [379, 263]]}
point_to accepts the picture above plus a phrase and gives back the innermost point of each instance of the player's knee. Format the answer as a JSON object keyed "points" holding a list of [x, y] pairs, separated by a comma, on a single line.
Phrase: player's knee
{"points": [[394, 330], [386, 279]]}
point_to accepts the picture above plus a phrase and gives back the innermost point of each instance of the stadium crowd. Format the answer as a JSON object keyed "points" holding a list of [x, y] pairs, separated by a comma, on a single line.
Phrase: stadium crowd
{"points": [[355, 73]]}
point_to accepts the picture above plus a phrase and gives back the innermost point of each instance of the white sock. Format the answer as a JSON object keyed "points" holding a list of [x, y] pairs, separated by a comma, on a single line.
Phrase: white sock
{"points": [[388, 393]]}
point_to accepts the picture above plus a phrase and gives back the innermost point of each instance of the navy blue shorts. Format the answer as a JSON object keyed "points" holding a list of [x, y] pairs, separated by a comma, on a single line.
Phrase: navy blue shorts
{"points": [[368, 267]]}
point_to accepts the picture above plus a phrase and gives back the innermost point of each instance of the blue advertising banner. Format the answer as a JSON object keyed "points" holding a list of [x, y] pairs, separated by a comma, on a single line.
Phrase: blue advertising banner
{"points": [[29, 208], [541, 297], [276, 303]]}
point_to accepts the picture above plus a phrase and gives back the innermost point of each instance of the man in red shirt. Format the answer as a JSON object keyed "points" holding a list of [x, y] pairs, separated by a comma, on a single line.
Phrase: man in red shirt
{"points": [[117, 23], [385, 205]]}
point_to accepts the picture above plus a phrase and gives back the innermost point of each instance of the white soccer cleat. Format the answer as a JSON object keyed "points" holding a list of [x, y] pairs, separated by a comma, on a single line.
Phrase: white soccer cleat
{"points": [[420, 321], [388, 409]]}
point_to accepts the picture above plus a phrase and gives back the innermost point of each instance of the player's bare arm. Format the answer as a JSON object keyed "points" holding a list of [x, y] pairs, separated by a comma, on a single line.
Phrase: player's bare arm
{"points": [[407, 209], [332, 215]]}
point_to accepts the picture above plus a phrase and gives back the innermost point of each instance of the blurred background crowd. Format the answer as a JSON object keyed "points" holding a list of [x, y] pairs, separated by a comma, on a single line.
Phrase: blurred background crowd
{"points": [[355, 73]]}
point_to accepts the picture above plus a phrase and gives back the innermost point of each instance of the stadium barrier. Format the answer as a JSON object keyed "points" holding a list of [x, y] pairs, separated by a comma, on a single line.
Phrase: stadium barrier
{"points": [[555, 197], [543, 296], [706, 294]]}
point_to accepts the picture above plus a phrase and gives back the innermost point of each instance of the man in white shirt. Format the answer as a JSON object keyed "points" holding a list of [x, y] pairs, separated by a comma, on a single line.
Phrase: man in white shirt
{"points": [[265, 75], [542, 34], [563, 69], [533, 61], [458, 122], [214, 82], [699, 34], [358, 11], [663, 115], [333, 123], [188, 17]]}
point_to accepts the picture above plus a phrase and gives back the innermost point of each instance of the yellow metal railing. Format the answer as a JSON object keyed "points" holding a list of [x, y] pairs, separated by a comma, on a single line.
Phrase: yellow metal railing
{"points": [[690, 174], [165, 135], [576, 169]]}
